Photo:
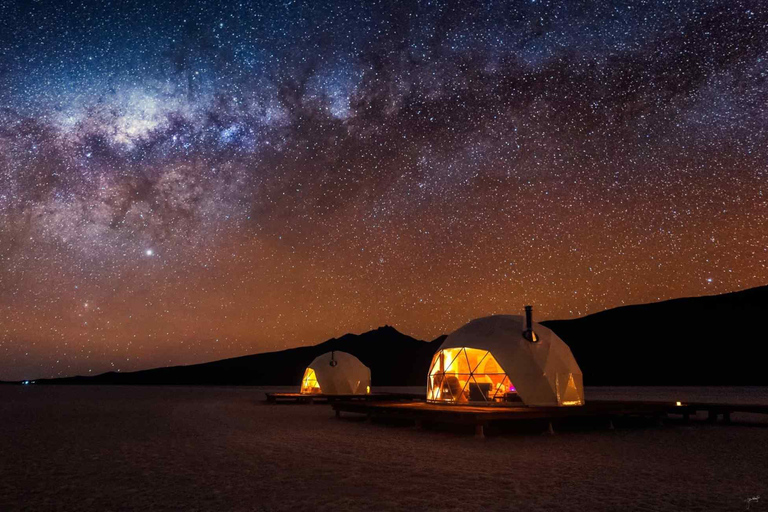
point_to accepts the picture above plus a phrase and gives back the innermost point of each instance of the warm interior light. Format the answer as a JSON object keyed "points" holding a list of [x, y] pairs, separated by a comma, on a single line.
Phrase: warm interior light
{"points": [[309, 384], [467, 375], [367, 390], [570, 395], [678, 403]]}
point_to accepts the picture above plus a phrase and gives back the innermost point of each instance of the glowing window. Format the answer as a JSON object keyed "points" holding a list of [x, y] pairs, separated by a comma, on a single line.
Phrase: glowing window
{"points": [[468, 375], [567, 390], [309, 384]]}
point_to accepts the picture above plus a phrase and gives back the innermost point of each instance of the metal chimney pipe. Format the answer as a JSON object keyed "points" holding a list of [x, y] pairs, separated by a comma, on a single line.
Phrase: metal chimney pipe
{"points": [[528, 318], [528, 332]]}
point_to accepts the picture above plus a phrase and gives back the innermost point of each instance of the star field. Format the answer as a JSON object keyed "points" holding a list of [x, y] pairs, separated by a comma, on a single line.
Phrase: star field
{"points": [[181, 182]]}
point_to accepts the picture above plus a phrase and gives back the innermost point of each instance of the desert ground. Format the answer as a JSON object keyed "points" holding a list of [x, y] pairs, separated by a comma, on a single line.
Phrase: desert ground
{"points": [[186, 448]]}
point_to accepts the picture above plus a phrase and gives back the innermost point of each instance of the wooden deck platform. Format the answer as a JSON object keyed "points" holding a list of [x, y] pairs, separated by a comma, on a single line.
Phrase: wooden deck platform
{"points": [[298, 398], [422, 412]]}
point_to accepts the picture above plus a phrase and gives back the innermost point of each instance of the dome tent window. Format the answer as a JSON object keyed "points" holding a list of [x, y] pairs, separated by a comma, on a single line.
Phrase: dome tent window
{"points": [[465, 375], [309, 384]]}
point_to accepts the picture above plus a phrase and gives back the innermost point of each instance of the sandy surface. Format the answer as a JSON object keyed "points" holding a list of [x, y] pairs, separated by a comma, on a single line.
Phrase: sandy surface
{"points": [[114, 448]]}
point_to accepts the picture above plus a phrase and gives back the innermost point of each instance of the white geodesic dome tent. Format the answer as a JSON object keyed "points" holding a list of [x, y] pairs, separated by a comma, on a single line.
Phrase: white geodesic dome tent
{"points": [[336, 373], [491, 361]]}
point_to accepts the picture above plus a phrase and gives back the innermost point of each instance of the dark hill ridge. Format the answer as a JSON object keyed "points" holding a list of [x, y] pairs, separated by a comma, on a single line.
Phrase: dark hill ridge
{"points": [[713, 340], [394, 359]]}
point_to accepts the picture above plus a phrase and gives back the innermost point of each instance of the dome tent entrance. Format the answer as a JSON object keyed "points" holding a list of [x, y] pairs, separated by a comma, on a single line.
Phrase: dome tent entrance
{"points": [[490, 360], [336, 373], [309, 384]]}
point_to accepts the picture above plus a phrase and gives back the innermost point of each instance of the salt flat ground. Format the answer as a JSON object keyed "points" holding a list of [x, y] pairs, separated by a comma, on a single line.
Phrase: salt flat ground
{"points": [[165, 448]]}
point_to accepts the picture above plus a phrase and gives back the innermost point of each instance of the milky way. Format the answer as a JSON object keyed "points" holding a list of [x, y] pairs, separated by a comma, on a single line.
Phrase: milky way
{"points": [[181, 182]]}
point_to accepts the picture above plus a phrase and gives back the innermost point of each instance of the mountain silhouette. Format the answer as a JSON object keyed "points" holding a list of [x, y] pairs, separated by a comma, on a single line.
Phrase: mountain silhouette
{"points": [[711, 340], [394, 359]]}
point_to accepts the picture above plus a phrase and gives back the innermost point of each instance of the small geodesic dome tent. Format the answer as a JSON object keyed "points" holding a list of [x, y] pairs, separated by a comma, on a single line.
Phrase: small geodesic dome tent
{"points": [[501, 359], [336, 373]]}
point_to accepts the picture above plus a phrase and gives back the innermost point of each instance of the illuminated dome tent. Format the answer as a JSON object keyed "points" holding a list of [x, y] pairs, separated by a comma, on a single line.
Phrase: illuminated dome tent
{"points": [[336, 373], [500, 359]]}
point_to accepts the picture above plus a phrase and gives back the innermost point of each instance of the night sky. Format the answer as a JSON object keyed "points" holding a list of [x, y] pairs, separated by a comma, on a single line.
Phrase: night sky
{"points": [[187, 181]]}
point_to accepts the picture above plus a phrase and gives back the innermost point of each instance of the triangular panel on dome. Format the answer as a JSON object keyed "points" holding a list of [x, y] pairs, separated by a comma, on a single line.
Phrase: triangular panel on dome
{"points": [[569, 390], [309, 384]]}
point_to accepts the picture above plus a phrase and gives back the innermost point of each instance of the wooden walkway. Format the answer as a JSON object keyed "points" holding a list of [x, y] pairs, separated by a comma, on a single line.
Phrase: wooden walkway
{"points": [[422, 412], [298, 398], [686, 410]]}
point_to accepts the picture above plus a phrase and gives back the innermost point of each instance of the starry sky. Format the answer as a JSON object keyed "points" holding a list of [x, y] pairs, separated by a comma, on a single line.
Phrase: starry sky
{"points": [[187, 181]]}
